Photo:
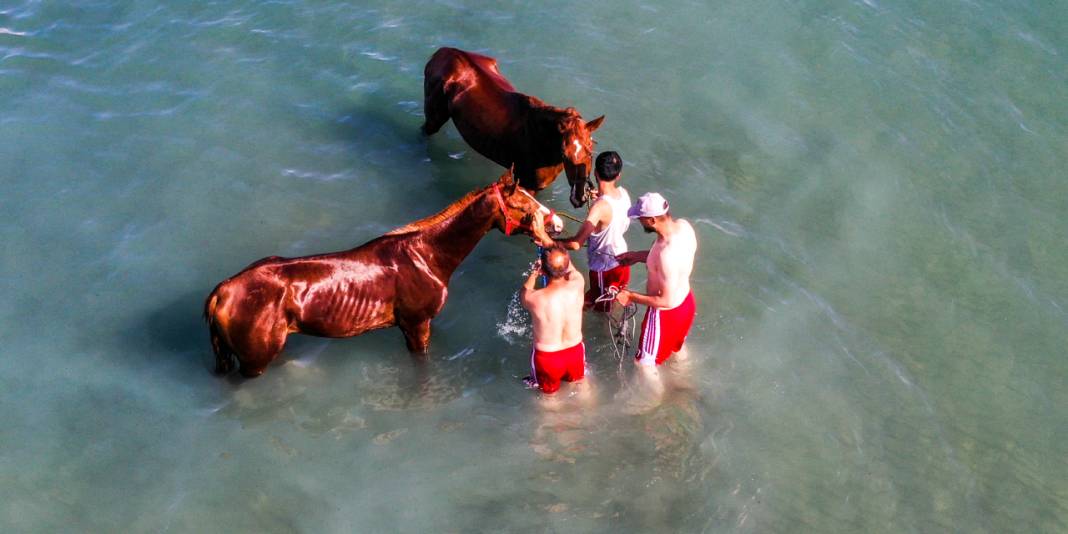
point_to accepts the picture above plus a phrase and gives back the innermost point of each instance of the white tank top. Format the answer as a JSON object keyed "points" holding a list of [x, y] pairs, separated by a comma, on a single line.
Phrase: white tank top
{"points": [[602, 247]]}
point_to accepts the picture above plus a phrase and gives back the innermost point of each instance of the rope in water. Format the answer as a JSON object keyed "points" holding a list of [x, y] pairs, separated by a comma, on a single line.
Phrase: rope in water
{"points": [[621, 327]]}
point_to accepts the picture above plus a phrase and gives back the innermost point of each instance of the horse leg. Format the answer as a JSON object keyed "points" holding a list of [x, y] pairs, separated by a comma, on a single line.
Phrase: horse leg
{"points": [[435, 106], [416, 335], [224, 355], [261, 347]]}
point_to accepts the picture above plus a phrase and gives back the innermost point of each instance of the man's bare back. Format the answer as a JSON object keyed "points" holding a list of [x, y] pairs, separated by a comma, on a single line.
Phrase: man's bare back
{"points": [[556, 309]]}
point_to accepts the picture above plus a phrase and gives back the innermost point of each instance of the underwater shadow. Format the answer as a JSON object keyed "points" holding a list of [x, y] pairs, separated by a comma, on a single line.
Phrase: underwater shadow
{"points": [[435, 170], [174, 337]]}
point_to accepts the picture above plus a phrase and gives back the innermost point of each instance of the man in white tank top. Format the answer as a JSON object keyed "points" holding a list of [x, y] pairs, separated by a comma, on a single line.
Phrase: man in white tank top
{"points": [[603, 232]]}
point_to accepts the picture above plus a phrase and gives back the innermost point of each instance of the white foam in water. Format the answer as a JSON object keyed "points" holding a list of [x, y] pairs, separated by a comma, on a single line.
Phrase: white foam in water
{"points": [[378, 56], [515, 328]]}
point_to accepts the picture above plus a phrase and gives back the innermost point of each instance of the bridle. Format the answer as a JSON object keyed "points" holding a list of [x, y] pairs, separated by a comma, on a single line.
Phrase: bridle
{"points": [[510, 224]]}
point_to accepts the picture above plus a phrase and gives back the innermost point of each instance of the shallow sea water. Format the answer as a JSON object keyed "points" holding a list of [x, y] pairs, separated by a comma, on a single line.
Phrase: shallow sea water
{"points": [[877, 186]]}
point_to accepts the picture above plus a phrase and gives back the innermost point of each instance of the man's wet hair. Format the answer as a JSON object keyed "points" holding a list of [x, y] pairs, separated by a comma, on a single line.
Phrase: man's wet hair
{"points": [[608, 165], [556, 262]]}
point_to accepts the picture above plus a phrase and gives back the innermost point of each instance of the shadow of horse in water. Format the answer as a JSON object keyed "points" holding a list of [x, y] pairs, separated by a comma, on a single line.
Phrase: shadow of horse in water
{"points": [[174, 330], [385, 136]]}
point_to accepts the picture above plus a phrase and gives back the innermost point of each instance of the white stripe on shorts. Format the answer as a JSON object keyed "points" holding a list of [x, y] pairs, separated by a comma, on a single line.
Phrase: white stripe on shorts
{"points": [[651, 341]]}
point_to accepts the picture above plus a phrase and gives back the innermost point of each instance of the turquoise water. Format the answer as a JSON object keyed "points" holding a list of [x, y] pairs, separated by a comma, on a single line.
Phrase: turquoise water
{"points": [[878, 190]]}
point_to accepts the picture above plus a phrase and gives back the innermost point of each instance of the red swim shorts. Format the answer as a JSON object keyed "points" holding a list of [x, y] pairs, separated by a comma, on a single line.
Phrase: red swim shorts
{"points": [[617, 277], [551, 367], [664, 331]]}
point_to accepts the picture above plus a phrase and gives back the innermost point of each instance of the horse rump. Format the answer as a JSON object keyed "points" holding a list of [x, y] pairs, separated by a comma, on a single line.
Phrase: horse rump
{"points": [[224, 354]]}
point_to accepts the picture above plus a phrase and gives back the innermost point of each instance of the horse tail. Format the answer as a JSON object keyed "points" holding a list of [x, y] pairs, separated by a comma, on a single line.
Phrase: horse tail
{"points": [[224, 354]]}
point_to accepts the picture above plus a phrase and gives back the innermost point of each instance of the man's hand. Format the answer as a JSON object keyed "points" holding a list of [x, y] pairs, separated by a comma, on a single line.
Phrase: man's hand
{"points": [[539, 236], [570, 244], [623, 297], [532, 279]]}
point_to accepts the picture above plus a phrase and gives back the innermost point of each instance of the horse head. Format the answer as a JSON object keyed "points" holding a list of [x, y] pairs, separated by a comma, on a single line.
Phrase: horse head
{"points": [[576, 145], [519, 210]]}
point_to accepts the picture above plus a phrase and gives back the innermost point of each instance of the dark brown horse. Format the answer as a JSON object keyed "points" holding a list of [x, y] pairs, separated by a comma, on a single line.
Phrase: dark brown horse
{"points": [[400, 278], [506, 126]]}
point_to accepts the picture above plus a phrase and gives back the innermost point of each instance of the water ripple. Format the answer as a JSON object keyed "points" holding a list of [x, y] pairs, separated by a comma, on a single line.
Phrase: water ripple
{"points": [[378, 56]]}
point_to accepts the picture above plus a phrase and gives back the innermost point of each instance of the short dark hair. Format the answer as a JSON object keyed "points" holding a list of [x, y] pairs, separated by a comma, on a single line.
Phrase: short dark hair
{"points": [[608, 165]]}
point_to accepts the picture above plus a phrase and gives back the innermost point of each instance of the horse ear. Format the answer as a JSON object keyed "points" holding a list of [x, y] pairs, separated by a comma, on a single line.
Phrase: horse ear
{"points": [[595, 123], [507, 180]]}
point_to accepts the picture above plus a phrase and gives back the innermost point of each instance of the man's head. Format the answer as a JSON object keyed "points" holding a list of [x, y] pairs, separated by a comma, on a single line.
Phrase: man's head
{"points": [[650, 210], [555, 262], [608, 166]]}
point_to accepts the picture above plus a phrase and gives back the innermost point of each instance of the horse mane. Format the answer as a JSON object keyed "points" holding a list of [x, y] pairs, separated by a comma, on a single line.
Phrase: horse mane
{"points": [[449, 211]]}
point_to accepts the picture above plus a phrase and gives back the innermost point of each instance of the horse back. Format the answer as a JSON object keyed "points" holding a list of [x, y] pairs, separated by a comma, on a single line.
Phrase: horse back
{"points": [[459, 70]]}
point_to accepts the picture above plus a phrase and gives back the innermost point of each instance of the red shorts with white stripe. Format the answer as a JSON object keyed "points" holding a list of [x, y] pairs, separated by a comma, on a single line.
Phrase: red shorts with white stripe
{"points": [[617, 277], [664, 331], [550, 367]]}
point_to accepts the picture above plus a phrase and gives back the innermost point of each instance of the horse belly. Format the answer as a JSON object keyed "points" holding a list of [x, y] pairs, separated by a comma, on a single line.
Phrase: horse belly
{"points": [[486, 132], [345, 314]]}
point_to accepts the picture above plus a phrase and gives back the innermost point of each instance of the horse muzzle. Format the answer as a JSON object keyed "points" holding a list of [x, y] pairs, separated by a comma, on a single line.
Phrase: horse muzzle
{"points": [[578, 179], [554, 225], [579, 194]]}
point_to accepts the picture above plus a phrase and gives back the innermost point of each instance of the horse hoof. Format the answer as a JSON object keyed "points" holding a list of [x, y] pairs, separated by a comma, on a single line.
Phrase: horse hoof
{"points": [[252, 372], [223, 367]]}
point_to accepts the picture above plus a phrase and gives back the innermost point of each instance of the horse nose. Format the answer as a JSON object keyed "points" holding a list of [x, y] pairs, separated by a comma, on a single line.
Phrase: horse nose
{"points": [[578, 195], [557, 224]]}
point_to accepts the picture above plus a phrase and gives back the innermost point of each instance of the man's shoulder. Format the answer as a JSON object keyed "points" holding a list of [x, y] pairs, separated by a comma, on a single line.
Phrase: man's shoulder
{"points": [[576, 280], [688, 235], [598, 210], [621, 196], [685, 228]]}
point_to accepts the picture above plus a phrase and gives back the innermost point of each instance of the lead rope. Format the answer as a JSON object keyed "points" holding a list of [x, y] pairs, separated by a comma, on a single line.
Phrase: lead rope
{"points": [[621, 325]]}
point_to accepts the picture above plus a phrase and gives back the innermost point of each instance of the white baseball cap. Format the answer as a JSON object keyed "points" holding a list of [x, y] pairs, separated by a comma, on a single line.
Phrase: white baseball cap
{"points": [[649, 205]]}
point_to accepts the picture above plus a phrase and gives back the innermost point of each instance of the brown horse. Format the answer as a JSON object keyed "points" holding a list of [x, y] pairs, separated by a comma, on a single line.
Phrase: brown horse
{"points": [[507, 127], [400, 278]]}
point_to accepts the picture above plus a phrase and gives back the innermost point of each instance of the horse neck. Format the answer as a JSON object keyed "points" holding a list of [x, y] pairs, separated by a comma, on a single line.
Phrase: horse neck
{"points": [[545, 120], [445, 244]]}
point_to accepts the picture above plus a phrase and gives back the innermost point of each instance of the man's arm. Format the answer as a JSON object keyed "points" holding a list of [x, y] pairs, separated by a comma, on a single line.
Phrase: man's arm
{"points": [[632, 257], [668, 271], [625, 296], [596, 217], [575, 242], [527, 291]]}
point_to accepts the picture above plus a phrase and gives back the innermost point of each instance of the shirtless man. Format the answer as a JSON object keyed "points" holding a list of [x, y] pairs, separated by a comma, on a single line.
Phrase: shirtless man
{"points": [[603, 230], [670, 302], [556, 309]]}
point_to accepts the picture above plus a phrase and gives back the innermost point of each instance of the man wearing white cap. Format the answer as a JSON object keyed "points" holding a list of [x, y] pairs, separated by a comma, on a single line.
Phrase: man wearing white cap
{"points": [[671, 306]]}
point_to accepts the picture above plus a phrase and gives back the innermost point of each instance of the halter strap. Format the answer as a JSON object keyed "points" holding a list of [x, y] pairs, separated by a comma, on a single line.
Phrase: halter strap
{"points": [[509, 223]]}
